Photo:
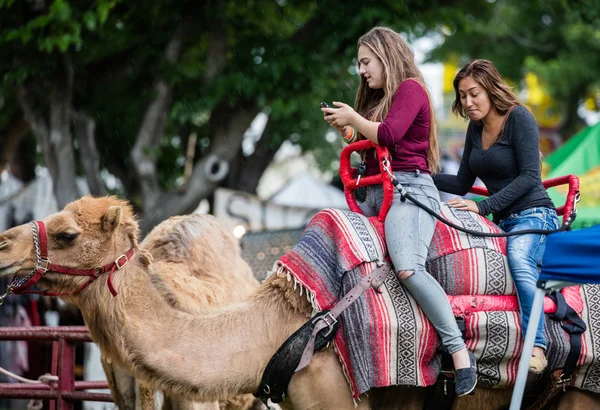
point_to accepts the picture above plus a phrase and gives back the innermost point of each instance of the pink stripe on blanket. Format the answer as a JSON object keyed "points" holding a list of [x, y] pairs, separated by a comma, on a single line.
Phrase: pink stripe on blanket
{"points": [[465, 304]]}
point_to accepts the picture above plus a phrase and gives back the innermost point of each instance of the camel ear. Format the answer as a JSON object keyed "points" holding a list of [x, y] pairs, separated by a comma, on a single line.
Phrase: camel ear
{"points": [[111, 219]]}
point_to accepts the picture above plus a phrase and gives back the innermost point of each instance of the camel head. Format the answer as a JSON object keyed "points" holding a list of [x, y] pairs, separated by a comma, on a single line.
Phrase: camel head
{"points": [[87, 233]]}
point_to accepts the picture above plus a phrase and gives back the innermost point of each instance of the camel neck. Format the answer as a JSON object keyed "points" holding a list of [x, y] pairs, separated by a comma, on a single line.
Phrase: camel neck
{"points": [[208, 356]]}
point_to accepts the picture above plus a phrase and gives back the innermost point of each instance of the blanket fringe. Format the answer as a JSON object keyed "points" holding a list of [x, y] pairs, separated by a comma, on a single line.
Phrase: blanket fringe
{"points": [[344, 371], [311, 297], [280, 268]]}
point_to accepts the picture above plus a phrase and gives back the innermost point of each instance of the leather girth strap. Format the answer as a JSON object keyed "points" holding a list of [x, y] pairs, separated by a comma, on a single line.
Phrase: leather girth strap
{"points": [[281, 367], [297, 351]]}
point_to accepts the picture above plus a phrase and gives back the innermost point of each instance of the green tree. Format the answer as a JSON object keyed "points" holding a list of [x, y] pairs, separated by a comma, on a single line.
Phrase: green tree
{"points": [[557, 40], [121, 86]]}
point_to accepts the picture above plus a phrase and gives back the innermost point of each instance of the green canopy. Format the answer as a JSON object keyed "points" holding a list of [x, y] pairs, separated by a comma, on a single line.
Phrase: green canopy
{"points": [[580, 156]]}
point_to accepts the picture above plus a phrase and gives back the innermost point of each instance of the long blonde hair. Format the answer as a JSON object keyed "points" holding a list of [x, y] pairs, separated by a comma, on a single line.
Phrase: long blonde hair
{"points": [[398, 65]]}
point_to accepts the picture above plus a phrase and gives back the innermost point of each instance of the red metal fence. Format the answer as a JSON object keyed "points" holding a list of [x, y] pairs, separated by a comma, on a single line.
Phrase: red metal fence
{"points": [[64, 393]]}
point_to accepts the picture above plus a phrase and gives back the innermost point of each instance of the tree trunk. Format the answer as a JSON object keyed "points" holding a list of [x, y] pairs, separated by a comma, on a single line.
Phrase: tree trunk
{"points": [[572, 122], [22, 163], [153, 124], [228, 125], [253, 167], [61, 140], [84, 128], [17, 128], [54, 136]]}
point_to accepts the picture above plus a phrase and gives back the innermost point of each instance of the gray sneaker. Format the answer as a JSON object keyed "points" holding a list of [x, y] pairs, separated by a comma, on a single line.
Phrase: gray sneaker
{"points": [[466, 379]]}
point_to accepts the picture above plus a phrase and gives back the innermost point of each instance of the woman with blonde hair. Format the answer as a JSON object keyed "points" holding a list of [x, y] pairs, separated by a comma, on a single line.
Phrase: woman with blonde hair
{"points": [[502, 149], [393, 109]]}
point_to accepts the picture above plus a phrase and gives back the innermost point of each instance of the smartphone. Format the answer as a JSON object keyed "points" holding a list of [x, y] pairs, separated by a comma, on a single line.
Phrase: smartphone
{"points": [[324, 105]]}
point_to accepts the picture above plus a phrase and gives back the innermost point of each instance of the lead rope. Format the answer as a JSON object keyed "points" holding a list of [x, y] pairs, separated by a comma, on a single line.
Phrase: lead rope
{"points": [[405, 195], [34, 404]]}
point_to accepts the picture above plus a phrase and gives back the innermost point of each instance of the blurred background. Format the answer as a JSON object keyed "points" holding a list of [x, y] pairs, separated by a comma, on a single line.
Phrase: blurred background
{"points": [[213, 106]]}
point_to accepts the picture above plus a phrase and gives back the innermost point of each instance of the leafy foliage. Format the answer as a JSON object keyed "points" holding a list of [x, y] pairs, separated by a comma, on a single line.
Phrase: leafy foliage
{"points": [[281, 57], [557, 40]]}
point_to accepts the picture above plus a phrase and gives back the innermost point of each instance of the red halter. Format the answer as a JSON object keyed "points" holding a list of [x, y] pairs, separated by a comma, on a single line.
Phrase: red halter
{"points": [[20, 286]]}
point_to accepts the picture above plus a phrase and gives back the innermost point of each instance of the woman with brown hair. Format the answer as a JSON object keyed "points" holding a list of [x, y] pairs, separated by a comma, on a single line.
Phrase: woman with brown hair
{"points": [[502, 149], [393, 109]]}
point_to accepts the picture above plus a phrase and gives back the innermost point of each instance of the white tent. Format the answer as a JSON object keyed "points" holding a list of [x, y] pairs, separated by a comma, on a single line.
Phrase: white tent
{"points": [[305, 191]]}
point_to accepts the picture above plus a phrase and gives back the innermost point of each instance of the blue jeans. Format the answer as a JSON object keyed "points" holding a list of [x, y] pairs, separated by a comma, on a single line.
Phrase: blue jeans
{"points": [[525, 254]]}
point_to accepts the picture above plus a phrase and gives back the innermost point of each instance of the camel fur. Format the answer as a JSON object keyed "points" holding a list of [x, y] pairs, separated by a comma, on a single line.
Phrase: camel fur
{"points": [[206, 356], [186, 253]]}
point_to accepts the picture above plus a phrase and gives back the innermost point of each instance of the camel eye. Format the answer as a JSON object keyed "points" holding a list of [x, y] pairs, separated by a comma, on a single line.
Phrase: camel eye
{"points": [[66, 238]]}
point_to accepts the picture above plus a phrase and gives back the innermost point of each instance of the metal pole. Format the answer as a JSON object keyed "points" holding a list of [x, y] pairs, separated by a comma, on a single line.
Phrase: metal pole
{"points": [[534, 320], [60, 395], [66, 374]]}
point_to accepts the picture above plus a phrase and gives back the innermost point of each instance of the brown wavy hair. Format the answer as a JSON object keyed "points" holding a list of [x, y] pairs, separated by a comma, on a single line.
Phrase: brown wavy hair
{"points": [[485, 73], [398, 65]]}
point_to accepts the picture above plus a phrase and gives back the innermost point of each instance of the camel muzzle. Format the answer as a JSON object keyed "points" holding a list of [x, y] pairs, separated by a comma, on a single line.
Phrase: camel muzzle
{"points": [[21, 286]]}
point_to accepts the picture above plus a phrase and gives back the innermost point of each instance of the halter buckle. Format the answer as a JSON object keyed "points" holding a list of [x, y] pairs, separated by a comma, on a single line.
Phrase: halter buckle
{"points": [[117, 261], [44, 264]]}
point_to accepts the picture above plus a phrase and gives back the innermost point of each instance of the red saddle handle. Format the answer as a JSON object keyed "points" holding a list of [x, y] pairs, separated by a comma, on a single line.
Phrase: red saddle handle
{"points": [[351, 182], [572, 195]]}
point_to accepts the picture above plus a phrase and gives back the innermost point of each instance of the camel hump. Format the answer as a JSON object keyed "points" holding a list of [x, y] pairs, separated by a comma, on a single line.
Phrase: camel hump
{"points": [[180, 238]]}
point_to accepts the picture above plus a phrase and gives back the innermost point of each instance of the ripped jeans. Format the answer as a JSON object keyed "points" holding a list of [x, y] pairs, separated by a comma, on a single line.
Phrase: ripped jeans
{"points": [[408, 233], [525, 254]]}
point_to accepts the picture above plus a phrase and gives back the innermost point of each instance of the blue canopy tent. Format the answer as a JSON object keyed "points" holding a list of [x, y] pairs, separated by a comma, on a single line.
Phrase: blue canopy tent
{"points": [[571, 258]]}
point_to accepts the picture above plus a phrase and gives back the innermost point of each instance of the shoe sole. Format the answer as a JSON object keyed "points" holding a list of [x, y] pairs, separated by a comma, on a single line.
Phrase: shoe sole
{"points": [[472, 391], [538, 369], [533, 370]]}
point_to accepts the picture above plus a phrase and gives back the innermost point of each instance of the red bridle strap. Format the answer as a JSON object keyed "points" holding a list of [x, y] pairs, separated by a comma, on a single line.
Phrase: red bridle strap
{"points": [[44, 265]]}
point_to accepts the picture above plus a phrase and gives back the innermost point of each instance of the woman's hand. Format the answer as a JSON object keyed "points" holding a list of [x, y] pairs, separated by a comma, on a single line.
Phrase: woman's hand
{"points": [[464, 204], [339, 117]]}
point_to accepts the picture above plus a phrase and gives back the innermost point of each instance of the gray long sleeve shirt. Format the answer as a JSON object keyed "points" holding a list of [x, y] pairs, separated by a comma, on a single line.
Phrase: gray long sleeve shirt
{"points": [[510, 169]]}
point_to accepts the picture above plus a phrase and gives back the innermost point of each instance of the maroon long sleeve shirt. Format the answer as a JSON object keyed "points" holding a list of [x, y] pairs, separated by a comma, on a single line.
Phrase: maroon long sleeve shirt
{"points": [[405, 130]]}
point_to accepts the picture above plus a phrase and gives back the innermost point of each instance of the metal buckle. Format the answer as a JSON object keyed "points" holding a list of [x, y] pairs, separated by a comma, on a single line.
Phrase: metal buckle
{"points": [[448, 373], [124, 263], [563, 382], [329, 325], [44, 264]]}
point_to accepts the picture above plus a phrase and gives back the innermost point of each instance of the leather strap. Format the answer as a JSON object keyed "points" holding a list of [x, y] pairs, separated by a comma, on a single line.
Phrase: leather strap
{"points": [[574, 326], [280, 369], [373, 279], [554, 386], [310, 337]]}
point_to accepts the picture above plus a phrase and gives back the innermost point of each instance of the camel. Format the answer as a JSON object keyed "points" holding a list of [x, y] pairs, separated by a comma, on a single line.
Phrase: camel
{"points": [[186, 253], [206, 356]]}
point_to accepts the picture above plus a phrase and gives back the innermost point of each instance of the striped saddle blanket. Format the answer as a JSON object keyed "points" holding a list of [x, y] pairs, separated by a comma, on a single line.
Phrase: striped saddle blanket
{"points": [[385, 339]]}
